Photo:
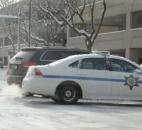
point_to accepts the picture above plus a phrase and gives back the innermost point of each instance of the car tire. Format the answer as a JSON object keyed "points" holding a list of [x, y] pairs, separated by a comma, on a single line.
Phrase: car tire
{"points": [[56, 100], [27, 94], [68, 94]]}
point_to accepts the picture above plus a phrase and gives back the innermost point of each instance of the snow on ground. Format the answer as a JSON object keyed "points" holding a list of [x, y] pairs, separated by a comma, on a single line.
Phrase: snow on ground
{"points": [[36, 113]]}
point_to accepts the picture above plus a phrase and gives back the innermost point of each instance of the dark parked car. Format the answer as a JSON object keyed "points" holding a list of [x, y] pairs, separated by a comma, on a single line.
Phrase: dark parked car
{"points": [[19, 64]]}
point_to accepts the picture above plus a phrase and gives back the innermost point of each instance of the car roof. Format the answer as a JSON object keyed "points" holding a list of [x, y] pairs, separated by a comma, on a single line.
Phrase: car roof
{"points": [[52, 48], [74, 58], [92, 55]]}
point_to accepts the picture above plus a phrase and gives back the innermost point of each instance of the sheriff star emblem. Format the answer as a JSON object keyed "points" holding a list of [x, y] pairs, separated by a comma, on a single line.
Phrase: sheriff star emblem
{"points": [[131, 81]]}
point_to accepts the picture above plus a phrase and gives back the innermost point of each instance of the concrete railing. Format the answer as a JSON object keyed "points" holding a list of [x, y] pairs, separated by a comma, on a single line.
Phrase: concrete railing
{"points": [[111, 40]]}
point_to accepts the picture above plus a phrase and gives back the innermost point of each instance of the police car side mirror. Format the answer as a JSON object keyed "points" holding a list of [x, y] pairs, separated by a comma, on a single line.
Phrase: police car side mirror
{"points": [[138, 71]]}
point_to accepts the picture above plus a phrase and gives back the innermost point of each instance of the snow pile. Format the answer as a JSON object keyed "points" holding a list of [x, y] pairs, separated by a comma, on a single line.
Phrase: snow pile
{"points": [[3, 74], [10, 92]]}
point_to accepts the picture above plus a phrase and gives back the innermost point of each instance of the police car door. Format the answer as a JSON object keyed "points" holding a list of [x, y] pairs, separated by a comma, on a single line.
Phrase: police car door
{"points": [[126, 80], [95, 73]]}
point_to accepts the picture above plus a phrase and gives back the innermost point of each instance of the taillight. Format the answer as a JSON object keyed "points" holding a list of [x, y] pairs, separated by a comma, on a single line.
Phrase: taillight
{"points": [[38, 73], [28, 63]]}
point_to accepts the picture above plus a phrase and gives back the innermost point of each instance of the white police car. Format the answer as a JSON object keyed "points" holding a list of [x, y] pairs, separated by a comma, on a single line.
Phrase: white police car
{"points": [[87, 76]]}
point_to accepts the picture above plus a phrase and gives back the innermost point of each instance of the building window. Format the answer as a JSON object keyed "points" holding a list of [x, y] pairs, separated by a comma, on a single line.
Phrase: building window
{"points": [[114, 23], [110, 24], [137, 19]]}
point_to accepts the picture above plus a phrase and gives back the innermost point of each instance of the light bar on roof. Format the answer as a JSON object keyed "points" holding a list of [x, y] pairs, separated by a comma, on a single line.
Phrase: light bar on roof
{"points": [[104, 53]]}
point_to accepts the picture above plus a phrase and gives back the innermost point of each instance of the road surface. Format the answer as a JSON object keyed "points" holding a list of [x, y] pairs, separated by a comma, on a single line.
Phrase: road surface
{"points": [[36, 113]]}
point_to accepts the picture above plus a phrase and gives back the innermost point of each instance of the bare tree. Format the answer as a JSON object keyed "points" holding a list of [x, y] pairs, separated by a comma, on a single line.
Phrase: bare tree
{"points": [[5, 3], [44, 29], [8, 28], [72, 11], [24, 30], [9, 7], [53, 33], [9, 31]]}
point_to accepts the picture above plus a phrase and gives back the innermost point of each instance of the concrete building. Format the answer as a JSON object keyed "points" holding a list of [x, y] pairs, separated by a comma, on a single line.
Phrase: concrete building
{"points": [[5, 49], [121, 32]]}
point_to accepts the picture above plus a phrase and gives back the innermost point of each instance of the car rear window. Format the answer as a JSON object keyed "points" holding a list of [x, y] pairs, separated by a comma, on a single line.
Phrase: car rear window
{"points": [[24, 55]]}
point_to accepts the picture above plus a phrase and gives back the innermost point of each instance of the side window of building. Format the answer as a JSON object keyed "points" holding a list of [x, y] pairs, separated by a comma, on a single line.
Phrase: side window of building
{"points": [[137, 19], [122, 66], [94, 63]]}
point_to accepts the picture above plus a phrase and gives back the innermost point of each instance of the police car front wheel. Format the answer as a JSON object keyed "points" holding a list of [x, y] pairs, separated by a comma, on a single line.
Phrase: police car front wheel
{"points": [[68, 94]]}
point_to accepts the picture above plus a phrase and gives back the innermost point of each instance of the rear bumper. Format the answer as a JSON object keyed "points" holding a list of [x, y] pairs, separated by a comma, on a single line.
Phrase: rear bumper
{"points": [[37, 86], [14, 79]]}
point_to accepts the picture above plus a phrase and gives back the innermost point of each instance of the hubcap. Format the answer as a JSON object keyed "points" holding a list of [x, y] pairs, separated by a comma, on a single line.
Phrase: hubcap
{"points": [[68, 93]]}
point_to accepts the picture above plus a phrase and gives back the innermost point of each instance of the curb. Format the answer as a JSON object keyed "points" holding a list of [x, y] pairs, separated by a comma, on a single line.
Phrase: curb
{"points": [[112, 103]]}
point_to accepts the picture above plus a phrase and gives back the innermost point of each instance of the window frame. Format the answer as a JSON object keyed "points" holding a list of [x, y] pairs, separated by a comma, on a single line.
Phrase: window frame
{"points": [[44, 53], [124, 63], [106, 61], [78, 66]]}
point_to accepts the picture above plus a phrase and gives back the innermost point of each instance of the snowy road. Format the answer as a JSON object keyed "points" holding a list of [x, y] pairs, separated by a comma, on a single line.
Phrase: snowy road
{"points": [[35, 113]]}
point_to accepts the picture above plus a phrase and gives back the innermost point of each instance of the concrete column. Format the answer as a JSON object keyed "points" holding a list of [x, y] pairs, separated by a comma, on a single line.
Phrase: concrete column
{"points": [[127, 53], [128, 28], [134, 55]]}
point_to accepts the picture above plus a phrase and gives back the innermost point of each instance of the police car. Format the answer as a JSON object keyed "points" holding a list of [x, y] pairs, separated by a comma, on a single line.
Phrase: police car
{"points": [[86, 76]]}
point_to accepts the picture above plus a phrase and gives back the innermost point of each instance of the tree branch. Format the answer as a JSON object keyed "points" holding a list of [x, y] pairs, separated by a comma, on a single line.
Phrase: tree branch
{"points": [[92, 6], [33, 36], [100, 24], [78, 12]]}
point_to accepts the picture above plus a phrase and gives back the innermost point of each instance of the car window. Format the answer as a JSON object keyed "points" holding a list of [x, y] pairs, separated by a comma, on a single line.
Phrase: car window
{"points": [[94, 63], [51, 55], [24, 55], [74, 64], [56, 55], [69, 53], [122, 66]]}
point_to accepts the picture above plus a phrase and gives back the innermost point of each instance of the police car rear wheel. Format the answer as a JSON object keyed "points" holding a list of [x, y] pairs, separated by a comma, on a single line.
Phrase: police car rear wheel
{"points": [[68, 94], [27, 94]]}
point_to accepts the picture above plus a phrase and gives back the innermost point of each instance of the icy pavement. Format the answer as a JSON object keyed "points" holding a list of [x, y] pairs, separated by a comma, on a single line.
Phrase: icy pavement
{"points": [[35, 113]]}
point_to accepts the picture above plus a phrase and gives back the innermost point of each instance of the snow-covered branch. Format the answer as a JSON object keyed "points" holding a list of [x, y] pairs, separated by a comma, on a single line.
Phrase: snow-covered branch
{"points": [[52, 15], [41, 40], [72, 11]]}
